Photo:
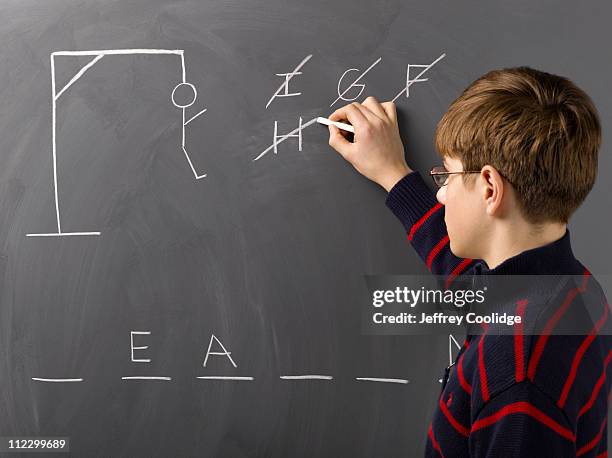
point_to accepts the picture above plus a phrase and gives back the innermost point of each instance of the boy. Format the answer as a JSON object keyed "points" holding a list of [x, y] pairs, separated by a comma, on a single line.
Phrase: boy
{"points": [[519, 150]]}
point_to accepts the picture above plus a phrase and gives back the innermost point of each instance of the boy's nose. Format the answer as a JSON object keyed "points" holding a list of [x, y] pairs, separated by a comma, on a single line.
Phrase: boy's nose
{"points": [[441, 195]]}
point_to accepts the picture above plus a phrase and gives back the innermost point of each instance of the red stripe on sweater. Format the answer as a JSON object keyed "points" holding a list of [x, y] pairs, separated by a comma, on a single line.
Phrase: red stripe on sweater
{"points": [[484, 388], [597, 388], [435, 444], [603, 455], [452, 420], [457, 270], [593, 442], [550, 325], [434, 252], [421, 221], [528, 409], [462, 381], [578, 357], [519, 362]]}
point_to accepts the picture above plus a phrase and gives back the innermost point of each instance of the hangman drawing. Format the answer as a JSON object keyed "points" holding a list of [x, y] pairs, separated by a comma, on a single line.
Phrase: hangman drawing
{"points": [[97, 55]]}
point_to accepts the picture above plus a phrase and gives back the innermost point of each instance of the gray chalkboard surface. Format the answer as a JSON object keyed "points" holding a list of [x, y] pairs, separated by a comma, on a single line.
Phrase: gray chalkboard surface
{"points": [[143, 203]]}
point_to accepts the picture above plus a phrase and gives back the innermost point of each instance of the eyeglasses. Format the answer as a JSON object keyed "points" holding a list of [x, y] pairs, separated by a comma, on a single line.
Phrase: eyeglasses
{"points": [[439, 175]]}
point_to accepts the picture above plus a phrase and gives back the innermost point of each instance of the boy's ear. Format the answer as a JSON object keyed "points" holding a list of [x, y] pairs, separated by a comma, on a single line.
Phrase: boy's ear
{"points": [[493, 189]]}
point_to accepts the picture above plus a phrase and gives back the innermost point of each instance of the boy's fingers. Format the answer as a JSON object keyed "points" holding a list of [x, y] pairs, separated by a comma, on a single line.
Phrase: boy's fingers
{"points": [[338, 142], [369, 114], [350, 113], [372, 104], [390, 109]]}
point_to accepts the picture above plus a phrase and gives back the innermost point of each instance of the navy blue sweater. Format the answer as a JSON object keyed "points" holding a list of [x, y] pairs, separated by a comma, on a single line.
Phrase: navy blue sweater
{"points": [[518, 395]]}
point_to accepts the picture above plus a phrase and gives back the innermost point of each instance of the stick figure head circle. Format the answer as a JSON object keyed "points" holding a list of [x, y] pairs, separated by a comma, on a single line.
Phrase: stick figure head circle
{"points": [[189, 88]]}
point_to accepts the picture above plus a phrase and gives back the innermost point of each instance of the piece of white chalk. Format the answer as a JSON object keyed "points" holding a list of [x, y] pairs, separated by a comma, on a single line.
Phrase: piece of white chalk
{"points": [[339, 125]]}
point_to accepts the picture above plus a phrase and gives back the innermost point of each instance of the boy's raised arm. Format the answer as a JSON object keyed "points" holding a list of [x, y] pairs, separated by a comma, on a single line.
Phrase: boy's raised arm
{"points": [[422, 215], [377, 153]]}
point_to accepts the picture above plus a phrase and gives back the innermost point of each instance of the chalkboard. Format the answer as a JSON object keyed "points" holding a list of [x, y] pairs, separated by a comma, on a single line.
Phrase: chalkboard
{"points": [[148, 217]]}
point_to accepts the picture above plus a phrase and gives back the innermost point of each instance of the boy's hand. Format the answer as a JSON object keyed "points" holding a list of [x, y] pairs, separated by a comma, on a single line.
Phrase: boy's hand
{"points": [[377, 151]]}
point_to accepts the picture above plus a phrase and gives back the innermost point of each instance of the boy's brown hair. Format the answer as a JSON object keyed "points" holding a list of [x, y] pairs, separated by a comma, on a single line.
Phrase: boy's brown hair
{"points": [[540, 131]]}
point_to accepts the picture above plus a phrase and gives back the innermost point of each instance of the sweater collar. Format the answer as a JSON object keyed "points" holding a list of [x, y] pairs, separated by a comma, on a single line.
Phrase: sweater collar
{"points": [[554, 258]]}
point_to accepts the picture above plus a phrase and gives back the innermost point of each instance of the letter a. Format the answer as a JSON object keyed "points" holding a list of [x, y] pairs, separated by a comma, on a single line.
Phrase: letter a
{"points": [[218, 353]]}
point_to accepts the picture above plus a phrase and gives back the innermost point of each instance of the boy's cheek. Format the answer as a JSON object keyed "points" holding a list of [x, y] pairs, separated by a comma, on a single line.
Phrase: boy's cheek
{"points": [[461, 224], [451, 223]]}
